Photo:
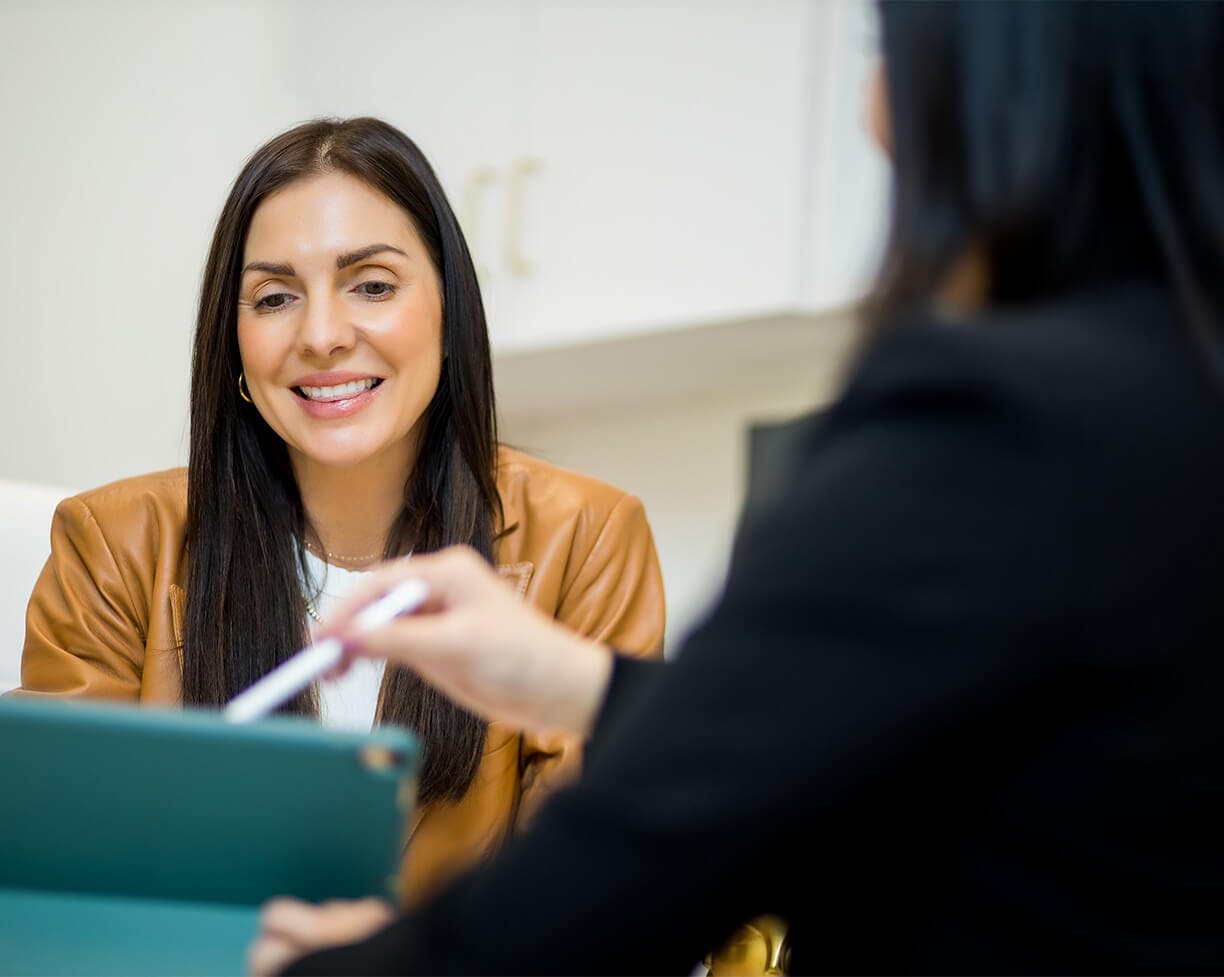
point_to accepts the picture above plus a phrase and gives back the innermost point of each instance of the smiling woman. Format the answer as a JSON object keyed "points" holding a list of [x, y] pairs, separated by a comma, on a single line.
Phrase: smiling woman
{"points": [[342, 412], [341, 342]]}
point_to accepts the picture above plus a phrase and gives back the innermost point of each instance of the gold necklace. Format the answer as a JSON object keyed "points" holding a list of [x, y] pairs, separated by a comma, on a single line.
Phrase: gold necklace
{"points": [[328, 556], [310, 608]]}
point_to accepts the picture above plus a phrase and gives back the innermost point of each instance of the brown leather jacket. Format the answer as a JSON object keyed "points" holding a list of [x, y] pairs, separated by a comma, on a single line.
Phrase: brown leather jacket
{"points": [[106, 618]]}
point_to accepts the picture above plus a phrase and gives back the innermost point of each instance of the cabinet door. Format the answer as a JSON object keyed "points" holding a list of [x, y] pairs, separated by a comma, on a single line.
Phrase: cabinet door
{"points": [[664, 148], [450, 75]]}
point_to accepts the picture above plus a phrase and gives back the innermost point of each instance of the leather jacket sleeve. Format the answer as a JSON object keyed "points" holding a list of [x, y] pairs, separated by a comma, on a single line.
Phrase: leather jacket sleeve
{"points": [[83, 635]]}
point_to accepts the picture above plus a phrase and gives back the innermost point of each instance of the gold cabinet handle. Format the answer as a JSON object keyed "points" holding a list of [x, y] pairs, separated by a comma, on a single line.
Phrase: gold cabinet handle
{"points": [[516, 260], [474, 188]]}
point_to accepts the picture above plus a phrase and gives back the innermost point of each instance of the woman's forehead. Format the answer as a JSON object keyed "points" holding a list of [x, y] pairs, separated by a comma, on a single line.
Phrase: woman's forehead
{"points": [[328, 214]]}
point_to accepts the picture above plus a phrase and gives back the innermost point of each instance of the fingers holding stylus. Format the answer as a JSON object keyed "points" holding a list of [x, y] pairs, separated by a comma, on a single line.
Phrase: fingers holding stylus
{"points": [[458, 585], [476, 640]]}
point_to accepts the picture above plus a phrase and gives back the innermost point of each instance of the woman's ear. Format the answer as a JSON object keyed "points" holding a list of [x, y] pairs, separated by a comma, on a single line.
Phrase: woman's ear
{"points": [[877, 117]]}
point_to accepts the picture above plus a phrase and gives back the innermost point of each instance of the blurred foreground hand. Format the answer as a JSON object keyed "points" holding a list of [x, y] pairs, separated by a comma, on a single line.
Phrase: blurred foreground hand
{"points": [[289, 928], [474, 639]]}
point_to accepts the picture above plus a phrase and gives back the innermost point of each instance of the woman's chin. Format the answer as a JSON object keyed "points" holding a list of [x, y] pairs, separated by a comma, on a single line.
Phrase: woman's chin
{"points": [[342, 457]]}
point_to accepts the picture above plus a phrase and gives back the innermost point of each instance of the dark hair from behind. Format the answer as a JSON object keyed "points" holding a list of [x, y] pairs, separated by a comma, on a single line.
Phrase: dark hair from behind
{"points": [[245, 611], [1074, 143]]}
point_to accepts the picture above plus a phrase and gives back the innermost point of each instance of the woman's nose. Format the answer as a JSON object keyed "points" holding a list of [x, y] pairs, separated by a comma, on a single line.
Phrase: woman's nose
{"points": [[325, 328]]}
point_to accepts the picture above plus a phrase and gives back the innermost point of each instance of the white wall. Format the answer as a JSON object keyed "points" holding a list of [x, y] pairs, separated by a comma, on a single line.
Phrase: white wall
{"points": [[688, 464], [124, 124]]}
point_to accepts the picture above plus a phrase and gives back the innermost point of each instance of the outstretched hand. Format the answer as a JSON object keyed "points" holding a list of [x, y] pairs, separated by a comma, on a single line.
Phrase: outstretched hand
{"points": [[482, 646]]}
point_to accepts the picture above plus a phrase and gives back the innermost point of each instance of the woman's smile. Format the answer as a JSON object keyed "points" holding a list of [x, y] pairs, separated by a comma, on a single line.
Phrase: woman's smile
{"points": [[329, 395]]}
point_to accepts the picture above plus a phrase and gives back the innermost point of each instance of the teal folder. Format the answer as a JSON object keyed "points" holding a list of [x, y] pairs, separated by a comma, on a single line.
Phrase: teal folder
{"points": [[143, 841]]}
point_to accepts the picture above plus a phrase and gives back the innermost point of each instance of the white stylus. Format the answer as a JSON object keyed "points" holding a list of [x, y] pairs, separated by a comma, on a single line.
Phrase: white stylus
{"points": [[295, 673]]}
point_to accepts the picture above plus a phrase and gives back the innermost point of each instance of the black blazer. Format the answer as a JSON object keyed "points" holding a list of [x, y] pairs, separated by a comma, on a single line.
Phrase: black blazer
{"points": [[960, 707]]}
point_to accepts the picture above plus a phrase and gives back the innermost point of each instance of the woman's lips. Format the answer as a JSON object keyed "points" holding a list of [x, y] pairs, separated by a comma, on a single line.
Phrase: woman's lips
{"points": [[336, 401]]}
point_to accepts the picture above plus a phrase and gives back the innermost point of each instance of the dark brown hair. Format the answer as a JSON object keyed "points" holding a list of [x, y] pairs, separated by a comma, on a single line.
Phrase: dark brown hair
{"points": [[245, 611], [1073, 143]]}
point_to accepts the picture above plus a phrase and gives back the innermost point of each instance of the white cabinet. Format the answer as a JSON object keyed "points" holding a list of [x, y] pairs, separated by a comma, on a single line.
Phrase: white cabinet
{"points": [[669, 141], [450, 75], [625, 168]]}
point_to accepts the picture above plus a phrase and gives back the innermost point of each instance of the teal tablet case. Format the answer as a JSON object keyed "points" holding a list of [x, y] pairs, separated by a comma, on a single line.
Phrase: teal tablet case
{"points": [[143, 841]]}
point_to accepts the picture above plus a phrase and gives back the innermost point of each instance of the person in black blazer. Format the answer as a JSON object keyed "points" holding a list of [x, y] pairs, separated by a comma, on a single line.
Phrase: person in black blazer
{"points": [[960, 707]]}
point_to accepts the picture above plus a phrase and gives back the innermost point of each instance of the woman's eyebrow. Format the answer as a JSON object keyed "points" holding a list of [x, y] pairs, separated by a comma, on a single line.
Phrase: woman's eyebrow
{"points": [[352, 257], [342, 260], [271, 268]]}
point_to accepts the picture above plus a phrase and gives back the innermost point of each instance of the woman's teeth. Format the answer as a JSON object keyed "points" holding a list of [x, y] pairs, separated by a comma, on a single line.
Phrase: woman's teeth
{"points": [[338, 392]]}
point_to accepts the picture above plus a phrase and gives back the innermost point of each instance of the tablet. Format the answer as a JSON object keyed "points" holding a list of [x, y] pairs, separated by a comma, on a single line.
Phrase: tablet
{"points": [[140, 840]]}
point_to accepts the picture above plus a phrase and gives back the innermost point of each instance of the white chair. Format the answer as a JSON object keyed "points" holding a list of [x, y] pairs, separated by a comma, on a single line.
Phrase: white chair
{"points": [[25, 527]]}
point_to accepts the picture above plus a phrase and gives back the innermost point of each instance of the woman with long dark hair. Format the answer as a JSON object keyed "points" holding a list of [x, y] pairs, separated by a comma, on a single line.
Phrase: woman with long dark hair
{"points": [[961, 705], [342, 413]]}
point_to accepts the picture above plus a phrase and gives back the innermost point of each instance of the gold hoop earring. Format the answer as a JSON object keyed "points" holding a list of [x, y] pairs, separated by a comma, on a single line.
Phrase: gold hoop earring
{"points": [[242, 390]]}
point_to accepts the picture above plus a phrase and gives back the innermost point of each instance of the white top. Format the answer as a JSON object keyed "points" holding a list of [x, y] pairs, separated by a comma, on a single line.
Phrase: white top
{"points": [[350, 701]]}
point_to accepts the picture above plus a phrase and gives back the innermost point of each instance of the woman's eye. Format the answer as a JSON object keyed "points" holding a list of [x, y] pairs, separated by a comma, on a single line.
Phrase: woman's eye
{"points": [[277, 300], [375, 290]]}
